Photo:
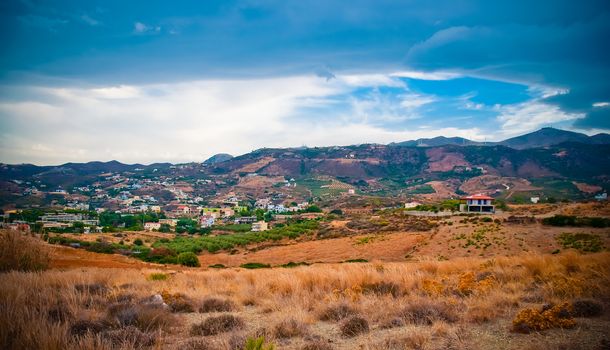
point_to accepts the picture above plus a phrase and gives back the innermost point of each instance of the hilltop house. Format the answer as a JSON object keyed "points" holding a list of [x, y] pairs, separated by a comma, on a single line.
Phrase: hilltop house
{"points": [[478, 203], [260, 226], [149, 226], [411, 205], [245, 220], [207, 220], [171, 222]]}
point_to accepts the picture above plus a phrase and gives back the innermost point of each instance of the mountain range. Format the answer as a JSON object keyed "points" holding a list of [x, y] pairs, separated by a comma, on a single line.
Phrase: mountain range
{"points": [[544, 137], [563, 163]]}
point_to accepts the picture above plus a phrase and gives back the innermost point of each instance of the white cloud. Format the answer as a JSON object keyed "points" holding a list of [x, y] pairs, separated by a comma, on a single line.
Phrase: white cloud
{"points": [[359, 80], [601, 104], [413, 101], [523, 117], [425, 75], [141, 28], [191, 121], [121, 91], [89, 20]]}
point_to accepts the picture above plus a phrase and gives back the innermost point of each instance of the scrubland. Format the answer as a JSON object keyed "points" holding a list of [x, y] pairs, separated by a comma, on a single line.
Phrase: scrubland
{"points": [[529, 301]]}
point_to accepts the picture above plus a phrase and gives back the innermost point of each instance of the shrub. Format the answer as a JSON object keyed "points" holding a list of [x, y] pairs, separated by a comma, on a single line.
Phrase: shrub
{"points": [[217, 266], [147, 317], [254, 265], [188, 259], [138, 241], [82, 327], [157, 276], [354, 326], [295, 264], [425, 312], [130, 335], [337, 312], [21, 253], [60, 313], [567, 220], [382, 288], [587, 308], [356, 260], [217, 324], [317, 345], [216, 305], [97, 288], [154, 318], [289, 328], [258, 344], [557, 316], [178, 302], [584, 242]]}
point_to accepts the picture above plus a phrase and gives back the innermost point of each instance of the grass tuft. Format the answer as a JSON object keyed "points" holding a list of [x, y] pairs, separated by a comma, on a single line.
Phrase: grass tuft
{"points": [[354, 326], [217, 324]]}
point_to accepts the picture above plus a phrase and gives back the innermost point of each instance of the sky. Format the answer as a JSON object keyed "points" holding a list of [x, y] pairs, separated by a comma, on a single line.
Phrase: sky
{"points": [[157, 81]]}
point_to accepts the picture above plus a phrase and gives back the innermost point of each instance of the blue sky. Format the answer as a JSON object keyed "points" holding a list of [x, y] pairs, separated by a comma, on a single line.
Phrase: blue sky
{"points": [[152, 81]]}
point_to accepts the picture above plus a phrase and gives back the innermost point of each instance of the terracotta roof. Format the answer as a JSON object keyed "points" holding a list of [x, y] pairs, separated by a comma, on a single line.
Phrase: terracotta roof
{"points": [[478, 196]]}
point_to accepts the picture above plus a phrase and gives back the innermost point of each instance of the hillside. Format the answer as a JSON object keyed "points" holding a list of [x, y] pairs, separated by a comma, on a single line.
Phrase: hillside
{"points": [[544, 137], [566, 170]]}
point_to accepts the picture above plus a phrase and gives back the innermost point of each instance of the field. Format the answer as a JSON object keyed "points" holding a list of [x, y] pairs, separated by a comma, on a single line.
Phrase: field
{"points": [[365, 281], [463, 304]]}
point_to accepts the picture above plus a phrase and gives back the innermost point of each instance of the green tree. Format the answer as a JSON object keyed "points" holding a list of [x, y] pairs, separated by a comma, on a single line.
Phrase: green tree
{"points": [[165, 228], [188, 259]]}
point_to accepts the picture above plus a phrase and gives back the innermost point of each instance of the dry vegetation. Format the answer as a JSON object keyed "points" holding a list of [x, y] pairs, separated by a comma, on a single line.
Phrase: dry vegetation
{"points": [[528, 301]]}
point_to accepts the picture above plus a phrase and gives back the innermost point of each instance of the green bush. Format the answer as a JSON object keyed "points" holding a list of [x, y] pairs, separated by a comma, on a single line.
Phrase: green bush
{"points": [[258, 344], [295, 264], [138, 241], [228, 242], [188, 259], [568, 220], [583, 242], [255, 265], [158, 276], [356, 261], [217, 266]]}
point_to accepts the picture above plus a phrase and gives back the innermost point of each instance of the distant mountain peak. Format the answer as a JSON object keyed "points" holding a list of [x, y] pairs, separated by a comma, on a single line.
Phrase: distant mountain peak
{"points": [[545, 137], [218, 158]]}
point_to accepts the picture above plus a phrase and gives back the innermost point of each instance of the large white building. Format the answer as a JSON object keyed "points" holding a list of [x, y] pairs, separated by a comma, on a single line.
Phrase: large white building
{"points": [[478, 203]]}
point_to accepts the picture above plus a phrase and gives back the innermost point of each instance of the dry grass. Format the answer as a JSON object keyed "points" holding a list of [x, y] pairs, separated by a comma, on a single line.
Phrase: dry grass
{"points": [[21, 253], [429, 305], [217, 324]]}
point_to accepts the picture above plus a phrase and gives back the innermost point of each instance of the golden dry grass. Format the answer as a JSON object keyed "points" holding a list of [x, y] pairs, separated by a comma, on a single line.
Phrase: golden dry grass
{"points": [[462, 304]]}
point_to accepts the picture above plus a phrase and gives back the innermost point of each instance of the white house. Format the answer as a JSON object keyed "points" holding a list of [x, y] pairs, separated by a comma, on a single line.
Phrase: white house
{"points": [[413, 204], [478, 203], [149, 226], [260, 226]]}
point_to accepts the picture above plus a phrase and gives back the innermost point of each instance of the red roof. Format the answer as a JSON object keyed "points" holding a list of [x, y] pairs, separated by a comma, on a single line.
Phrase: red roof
{"points": [[478, 196]]}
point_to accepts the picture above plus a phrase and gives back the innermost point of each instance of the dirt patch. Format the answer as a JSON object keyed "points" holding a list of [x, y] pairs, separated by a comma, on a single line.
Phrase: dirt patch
{"points": [[489, 184], [65, 257], [441, 160], [254, 167], [586, 188], [394, 247]]}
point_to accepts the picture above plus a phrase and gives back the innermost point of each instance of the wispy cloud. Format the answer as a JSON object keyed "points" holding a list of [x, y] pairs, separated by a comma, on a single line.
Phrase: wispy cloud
{"points": [[141, 28], [531, 115], [89, 20], [190, 121]]}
